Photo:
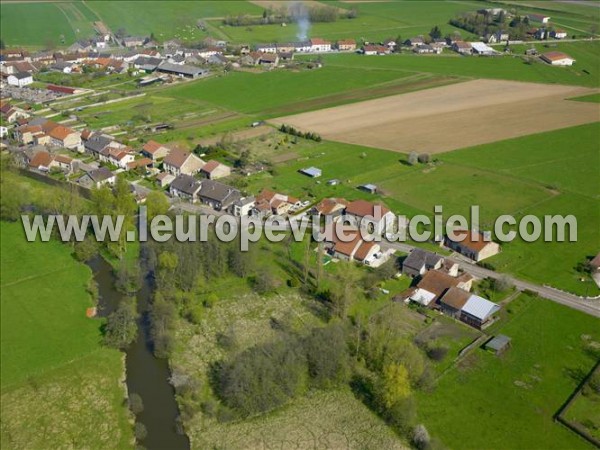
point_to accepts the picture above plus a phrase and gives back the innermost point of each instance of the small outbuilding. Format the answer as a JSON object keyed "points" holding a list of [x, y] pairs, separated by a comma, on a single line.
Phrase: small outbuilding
{"points": [[312, 172], [498, 344], [370, 188]]}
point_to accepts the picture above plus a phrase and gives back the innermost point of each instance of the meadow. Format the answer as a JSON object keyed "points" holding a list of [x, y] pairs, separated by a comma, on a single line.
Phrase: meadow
{"points": [[509, 401], [57, 379], [527, 175], [34, 24], [585, 72], [169, 19]]}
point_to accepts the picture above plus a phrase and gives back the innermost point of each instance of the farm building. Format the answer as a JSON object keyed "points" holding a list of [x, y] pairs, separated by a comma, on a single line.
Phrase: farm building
{"points": [[217, 195], [557, 59], [472, 245], [558, 34], [370, 188], [346, 45], [164, 179], [466, 307], [539, 18], [155, 150], [181, 70], [312, 172], [179, 162], [97, 177], [498, 344], [479, 48]]}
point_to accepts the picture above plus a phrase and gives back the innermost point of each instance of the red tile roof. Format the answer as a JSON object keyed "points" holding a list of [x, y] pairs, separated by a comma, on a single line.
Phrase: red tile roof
{"points": [[362, 208]]}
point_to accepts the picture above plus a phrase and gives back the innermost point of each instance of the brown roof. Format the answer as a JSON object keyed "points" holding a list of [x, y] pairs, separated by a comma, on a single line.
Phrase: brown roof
{"points": [[177, 158], [41, 159], [49, 126], [319, 41], [596, 261], [63, 159], [362, 208], [347, 42], [555, 56], [346, 248], [455, 297], [466, 240], [437, 282], [86, 134], [363, 250], [329, 205], [152, 146], [142, 162], [60, 132], [211, 165]]}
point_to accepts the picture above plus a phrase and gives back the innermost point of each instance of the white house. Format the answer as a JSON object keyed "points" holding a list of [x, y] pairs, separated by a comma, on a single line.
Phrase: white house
{"points": [[558, 34], [557, 59], [540, 18], [20, 79], [320, 45]]}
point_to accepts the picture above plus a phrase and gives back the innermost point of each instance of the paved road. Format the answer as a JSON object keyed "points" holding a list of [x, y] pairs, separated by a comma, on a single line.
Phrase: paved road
{"points": [[587, 305]]}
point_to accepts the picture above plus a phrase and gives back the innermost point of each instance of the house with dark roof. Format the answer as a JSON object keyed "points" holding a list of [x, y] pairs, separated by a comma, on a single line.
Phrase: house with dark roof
{"points": [[19, 79], [217, 195], [181, 70], [420, 261], [96, 142], [185, 187], [97, 177]]}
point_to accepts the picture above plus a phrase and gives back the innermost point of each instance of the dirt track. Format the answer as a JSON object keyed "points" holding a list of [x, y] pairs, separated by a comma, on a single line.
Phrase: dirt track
{"points": [[451, 117]]}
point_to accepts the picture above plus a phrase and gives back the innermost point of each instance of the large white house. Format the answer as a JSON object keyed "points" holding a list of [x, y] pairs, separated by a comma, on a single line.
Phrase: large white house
{"points": [[20, 79]]}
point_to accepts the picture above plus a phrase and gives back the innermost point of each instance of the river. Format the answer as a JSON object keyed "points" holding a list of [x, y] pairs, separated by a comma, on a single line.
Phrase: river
{"points": [[146, 375]]}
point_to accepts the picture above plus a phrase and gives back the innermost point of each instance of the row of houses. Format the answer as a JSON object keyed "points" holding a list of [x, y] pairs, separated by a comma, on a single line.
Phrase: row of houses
{"points": [[440, 285], [314, 45]]}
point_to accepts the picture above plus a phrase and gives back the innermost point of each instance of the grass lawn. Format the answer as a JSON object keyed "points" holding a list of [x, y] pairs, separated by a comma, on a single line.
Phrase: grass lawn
{"points": [[585, 412], [514, 397], [502, 67], [594, 98], [55, 374]]}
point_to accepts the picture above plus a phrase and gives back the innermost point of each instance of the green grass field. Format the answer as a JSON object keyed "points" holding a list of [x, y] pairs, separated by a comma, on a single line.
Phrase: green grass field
{"points": [[34, 24], [55, 374], [509, 402], [169, 19], [502, 67]]}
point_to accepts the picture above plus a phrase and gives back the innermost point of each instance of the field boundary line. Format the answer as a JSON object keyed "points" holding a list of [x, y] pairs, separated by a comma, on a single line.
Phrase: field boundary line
{"points": [[33, 277]]}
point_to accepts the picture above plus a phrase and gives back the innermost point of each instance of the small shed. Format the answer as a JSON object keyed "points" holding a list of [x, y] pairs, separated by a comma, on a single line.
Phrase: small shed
{"points": [[370, 188], [312, 172], [333, 182], [498, 344]]}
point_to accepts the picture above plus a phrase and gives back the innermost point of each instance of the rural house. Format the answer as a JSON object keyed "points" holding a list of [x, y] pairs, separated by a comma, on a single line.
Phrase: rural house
{"points": [[155, 151], [214, 170], [242, 207], [333, 207], [320, 45], [217, 195], [268, 202], [473, 247], [346, 45], [179, 162], [371, 214], [185, 187], [472, 309], [420, 261], [19, 79], [97, 178]]}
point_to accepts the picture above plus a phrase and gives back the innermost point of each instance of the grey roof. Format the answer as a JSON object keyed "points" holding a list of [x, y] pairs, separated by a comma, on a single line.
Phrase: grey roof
{"points": [[186, 184], [498, 342], [100, 174], [244, 201], [97, 142], [21, 75], [311, 172], [419, 258], [479, 307], [181, 68], [147, 61], [213, 190]]}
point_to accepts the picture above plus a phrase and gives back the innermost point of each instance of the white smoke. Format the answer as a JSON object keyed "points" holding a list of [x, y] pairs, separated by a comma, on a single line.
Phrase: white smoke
{"points": [[300, 15]]}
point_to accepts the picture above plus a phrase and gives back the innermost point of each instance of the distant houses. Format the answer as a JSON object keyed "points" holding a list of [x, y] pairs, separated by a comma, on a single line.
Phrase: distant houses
{"points": [[472, 245]]}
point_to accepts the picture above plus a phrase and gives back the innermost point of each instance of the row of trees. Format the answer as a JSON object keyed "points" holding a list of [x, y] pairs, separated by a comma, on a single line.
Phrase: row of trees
{"points": [[288, 129], [292, 13]]}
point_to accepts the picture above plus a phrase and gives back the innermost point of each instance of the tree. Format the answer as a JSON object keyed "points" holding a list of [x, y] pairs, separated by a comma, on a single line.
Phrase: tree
{"points": [[413, 158], [424, 158], [167, 265], [157, 204], [327, 355], [421, 438], [128, 277], [265, 282], [121, 327], [86, 249], [435, 33], [162, 317], [394, 384]]}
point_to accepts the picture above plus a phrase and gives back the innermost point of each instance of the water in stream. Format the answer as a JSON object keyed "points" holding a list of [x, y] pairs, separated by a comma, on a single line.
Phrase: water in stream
{"points": [[146, 375]]}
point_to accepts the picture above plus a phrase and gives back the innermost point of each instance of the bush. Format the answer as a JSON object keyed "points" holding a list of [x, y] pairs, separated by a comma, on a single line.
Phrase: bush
{"points": [[136, 404], [424, 158], [421, 438], [140, 431]]}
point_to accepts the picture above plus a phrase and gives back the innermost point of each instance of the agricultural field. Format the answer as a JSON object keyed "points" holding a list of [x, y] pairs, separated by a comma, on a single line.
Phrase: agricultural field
{"points": [[405, 122], [56, 377], [513, 397]]}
